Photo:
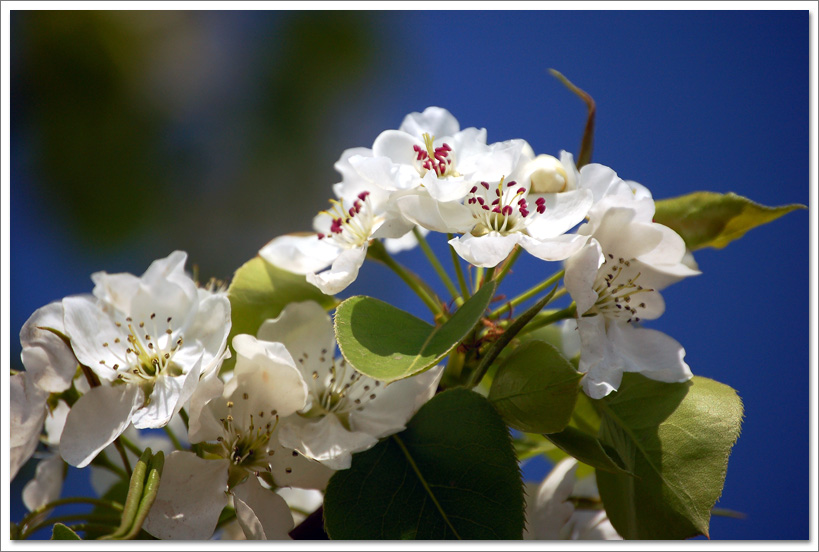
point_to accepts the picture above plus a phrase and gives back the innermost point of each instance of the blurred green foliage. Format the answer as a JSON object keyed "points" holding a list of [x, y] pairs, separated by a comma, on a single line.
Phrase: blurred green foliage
{"points": [[203, 131]]}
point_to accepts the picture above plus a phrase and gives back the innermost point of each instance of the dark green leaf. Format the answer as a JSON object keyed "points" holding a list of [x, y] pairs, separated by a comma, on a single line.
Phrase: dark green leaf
{"points": [[61, 532], [709, 219], [535, 388], [676, 439], [451, 474], [588, 449], [260, 291], [389, 344]]}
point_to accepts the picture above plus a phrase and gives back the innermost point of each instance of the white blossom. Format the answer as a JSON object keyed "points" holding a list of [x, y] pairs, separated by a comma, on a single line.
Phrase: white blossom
{"points": [[346, 411], [615, 281], [148, 339]]}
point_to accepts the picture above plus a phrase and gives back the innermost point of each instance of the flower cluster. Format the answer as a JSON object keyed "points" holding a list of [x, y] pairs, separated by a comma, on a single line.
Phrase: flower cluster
{"points": [[431, 175], [259, 416]]}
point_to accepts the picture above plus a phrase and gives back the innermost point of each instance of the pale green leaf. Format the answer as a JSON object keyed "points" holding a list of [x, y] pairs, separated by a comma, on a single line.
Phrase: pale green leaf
{"points": [[62, 532], [675, 438], [535, 388], [388, 344], [710, 219]]}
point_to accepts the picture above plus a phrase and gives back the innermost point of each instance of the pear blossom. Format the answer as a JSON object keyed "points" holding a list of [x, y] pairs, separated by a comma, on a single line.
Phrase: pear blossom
{"points": [[345, 411], [552, 515], [615, 281], [48, 359], [506, 214], [48, 476], [148, 340], [236, 424]]}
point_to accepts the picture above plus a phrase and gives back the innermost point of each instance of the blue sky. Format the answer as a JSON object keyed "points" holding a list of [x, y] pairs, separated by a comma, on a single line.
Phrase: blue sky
{"points": [[686, 101]]}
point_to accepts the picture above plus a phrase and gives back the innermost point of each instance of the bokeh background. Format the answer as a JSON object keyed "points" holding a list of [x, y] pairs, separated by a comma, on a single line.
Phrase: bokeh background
{"points": [[137, 133]]}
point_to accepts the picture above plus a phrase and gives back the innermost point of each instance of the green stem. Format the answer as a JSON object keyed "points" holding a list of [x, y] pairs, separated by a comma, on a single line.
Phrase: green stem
{"points": [[379, 253], [436, 264], [526, 295], [176, 444], [67, 518], [458, 270], [130, 445], [123, 455], [478, 278], [102, 461], [564, 314], [508, 264], [184, 415], [60, 502]]}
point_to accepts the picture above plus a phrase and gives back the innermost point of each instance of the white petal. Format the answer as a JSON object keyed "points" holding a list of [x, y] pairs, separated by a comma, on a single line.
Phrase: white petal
{"points": [[570, 338], [563, 212], [434, 120], [209, 330], [166, 399], [27, 412], [394, 405], [55, 422], [202, 425], [551, 507], [89, 327], [95, 420], [487, 251], [262, 513], [598, 359], [299, 253], [396, 146], [553, 249], [452, 188], [46, 485], [431, 214], [296, 470], [306, 331], [191, 496], [343, 272], [324, 439], [601, 180], [650, 352], [404, 243], [272, 380], [49, 361]]}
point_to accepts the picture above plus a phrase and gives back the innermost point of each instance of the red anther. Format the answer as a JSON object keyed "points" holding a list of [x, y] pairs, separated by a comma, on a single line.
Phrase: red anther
{"points": [[522, 201], [321, 236], [496, 210], [497, 192], [484, 207], [351, 211], [507, 210], [471, 201], [363, 195], [524, 212], [480, 200], [496, 201], [521, 190], [540, 201], [541, 208], [446, 147], [473, 190], [485, 185]]}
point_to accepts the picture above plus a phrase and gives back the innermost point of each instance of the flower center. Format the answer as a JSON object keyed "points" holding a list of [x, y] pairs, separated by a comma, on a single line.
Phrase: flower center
{"points": [[506, 213], [430, 158], [618, 293], [351, 227], [340, 390], [244, 442], [148, 352]]}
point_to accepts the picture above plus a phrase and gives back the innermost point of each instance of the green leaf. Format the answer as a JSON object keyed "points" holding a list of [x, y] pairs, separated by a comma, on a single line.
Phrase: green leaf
{"points": [[676, 439], [451, 474], [535, 389], [588, 449], [709, 219], [260, 291], [388, 344], [61, 532]]}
